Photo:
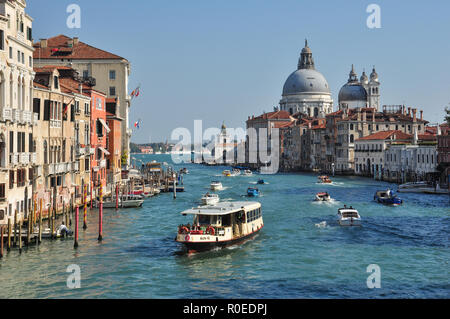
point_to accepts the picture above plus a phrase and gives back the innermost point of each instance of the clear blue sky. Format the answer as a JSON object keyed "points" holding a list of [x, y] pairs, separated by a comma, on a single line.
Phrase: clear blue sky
{"points": [[225, 60]]}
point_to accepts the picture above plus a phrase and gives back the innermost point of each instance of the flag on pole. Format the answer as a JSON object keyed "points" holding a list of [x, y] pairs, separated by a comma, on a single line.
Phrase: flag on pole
{"points": [[136, 92], [137, 123]]}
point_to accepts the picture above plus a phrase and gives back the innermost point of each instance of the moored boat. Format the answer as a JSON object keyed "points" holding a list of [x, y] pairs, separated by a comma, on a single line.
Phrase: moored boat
{"points": [[210, 199], [216, 186], [252, 192], [247, 172], [219, 226], [323, 197], [387, 198], [129, 201], [226, 172], [422, 187], [349, 217]]}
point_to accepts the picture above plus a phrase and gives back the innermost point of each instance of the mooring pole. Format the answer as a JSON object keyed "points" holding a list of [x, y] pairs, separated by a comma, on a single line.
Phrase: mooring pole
{"points": [[77, 211], [100, 215], [85, 206]]}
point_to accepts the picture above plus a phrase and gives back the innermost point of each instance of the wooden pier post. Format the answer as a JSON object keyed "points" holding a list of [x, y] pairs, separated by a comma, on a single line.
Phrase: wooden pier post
{"points": [[29, 228], [175, 186], [71, 211], [15, 229], [20, 236], [92, 194], [40, 222], [100, 215], [8, 247], [117, 196], [52, 223], [77, 211], [85, 206], [1, 244]]}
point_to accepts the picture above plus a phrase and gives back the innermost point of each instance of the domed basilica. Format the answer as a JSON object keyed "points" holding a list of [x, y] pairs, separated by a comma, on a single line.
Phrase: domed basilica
{"points": [[306, 90]]}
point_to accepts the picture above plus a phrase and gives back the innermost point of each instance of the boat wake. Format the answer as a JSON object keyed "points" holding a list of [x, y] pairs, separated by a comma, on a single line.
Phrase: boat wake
{"points": [[322, 224]]}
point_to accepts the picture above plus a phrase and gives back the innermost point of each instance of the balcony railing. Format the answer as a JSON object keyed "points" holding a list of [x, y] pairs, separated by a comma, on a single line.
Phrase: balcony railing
{"points": [[103, 163], [33, 158], [55, 123], [16, 115], [80, 150], [35, 118], [13, 159], [75, 166], [27, 116], [6, 114], [24, 158]]}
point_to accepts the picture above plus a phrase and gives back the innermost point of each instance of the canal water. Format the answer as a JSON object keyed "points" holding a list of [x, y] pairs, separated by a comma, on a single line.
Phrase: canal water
{"points": [[300, 253]]}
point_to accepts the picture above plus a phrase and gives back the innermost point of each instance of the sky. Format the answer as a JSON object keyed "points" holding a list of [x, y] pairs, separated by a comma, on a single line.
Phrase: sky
{"points": [[222, 61]]}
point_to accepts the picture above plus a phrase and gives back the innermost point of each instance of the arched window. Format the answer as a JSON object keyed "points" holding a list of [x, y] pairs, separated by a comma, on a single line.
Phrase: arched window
{"points": [[352, 139], [316, 112], [11, 92]]}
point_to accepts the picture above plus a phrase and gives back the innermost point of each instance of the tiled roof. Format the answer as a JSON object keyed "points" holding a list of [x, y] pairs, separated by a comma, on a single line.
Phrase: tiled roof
{"points": [[276, 115], [58, 48], [384, 135]]}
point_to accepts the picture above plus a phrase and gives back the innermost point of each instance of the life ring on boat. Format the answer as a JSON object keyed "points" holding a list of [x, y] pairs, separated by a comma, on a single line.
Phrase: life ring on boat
{"points": [[187, 237], [210, 230], [184, 230]]}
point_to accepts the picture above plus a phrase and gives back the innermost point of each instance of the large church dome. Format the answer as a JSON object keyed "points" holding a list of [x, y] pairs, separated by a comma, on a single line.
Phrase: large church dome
{"points": [[306, 81]]}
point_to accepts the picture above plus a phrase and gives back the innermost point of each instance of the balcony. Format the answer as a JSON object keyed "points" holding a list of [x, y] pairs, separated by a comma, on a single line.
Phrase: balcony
{"points": [[6, 114], [80, 150], [75, 166], [14, 159], [35, 118], [103, 163], [27, 116], [92, 151], [24, 158], [16, 116], [33, 158], [55, 123]]}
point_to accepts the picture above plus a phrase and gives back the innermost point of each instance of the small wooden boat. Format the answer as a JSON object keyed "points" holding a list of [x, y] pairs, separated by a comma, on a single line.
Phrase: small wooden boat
{"points": [[226, 172], [210, 199], [349, 217], [129, 201], [216, 186], [323, 197], [387, 198], [252, 192], [220, 226]]}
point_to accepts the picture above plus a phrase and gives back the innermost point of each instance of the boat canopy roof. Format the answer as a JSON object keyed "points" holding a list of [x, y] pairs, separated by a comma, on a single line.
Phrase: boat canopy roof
{"points": [[223, 208]]}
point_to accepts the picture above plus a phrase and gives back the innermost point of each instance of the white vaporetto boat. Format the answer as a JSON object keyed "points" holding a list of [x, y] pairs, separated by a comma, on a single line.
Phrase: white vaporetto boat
{"points": [[216, 186], [349, 217], [219, 226], [210, 199]]}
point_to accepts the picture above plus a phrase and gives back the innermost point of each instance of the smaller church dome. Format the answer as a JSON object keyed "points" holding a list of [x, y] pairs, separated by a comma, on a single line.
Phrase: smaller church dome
{"points": [[364, 79], [374, 75], [352, 92]]}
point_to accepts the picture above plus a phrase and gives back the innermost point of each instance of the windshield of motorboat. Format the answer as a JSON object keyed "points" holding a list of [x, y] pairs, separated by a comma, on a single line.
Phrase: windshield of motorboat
{"points": [[350, 214]]}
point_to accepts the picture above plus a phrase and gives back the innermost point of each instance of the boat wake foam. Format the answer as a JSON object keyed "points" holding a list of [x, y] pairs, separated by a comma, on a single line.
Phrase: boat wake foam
{"points": [[321, 224]]}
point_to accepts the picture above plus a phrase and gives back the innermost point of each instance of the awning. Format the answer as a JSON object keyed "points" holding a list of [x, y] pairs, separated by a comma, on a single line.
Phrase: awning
{"points": [[105, 125], [103, 150]]}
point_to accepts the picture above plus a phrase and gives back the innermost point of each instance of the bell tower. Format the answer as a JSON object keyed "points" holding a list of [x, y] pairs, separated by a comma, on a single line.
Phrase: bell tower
{"points": [[373, 90]]}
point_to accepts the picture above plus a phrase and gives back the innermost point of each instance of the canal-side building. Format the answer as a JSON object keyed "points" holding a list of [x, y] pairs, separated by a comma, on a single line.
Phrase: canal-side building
{"points": [[17, 151], [113, 143], [56, 169], [80, 110], [99, 132], [108, 72], [443, 150], [370, 151]]}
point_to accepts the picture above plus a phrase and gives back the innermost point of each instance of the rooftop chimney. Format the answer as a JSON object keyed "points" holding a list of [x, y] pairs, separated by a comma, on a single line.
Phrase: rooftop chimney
{"points": [[414, 115], [421, 115], [43, 43], [409, 111], [75, 40]]}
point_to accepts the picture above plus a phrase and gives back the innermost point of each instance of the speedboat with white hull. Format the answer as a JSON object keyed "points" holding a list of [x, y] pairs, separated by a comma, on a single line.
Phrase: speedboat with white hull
{"points": [[219, 226], [349, 217], [210, 199], [216, 186]]}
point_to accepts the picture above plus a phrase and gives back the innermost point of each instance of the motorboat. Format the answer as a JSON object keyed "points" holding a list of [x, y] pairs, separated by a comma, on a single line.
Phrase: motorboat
{"points": [[125, 201], [349, 217], [184, 171], [220, 226], [252, 192], [324, 179], [210, 199], [261, 181], [247, 172], [226, 172], [323, 197], [236, 172], [386, 197], [216, 186]]}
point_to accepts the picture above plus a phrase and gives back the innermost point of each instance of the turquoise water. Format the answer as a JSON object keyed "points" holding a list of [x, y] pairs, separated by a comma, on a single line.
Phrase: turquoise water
{"points": [[292, 257]]}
